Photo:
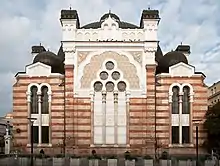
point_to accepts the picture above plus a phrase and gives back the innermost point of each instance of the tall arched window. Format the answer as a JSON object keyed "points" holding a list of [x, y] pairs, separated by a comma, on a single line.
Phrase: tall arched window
{"points": [[175, 100], [34, 100], [44, 110], [185, 111], [180, 115], [186, 102], [110, 109], [44, 100]]}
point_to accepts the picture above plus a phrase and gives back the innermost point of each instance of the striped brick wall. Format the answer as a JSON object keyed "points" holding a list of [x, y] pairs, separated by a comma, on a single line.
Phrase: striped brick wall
{"points": [[20, 108], [74, 121], [150, 111], [68, 126], [138, 124], [198, 109]]}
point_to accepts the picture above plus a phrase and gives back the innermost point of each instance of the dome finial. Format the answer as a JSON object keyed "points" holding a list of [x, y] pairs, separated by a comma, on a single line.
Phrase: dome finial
{"points": [[70, 7], [149, 6], [181, 43], [40, 43], [109, 12]]}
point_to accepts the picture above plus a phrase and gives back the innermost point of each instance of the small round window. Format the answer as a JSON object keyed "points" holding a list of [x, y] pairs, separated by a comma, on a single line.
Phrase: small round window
{"points": [[98, 86], [110, 86], [103, 75], [109, 65], [115, 75], [121, 86]]}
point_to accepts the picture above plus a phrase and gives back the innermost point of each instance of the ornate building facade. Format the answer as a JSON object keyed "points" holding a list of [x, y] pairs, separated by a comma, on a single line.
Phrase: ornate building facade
{"points": [[109, 88]]}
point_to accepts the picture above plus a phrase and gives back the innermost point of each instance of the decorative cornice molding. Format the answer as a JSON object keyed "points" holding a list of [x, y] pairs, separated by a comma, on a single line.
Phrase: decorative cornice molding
{"points": [[69, 49], [150, 49]]}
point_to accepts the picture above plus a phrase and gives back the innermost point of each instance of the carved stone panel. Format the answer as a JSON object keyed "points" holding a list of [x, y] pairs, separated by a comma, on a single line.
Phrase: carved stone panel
{"points": [[137, 56], [82, 56], [128, 69]]}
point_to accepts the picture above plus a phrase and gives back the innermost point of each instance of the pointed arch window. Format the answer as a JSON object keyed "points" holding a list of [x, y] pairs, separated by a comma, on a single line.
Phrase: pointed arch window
{"points": [[34, 100], [175, 100], [44, 99], [186, 101]]}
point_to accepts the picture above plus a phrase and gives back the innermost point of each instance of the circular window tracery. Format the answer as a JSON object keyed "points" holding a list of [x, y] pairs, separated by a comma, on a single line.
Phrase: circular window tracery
{"points": [[109, 65], [98, 86], [103, 75], [121, 86], [115, 75], [109, 86]]}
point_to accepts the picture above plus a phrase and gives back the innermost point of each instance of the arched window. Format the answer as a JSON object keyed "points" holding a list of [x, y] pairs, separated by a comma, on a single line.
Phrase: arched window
{"points": [[44, 100], [175, 100], [186, 102], [34, 100], [44, 110]]}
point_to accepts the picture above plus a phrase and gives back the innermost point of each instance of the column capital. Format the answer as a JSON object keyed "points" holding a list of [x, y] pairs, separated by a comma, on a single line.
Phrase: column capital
{"points": [[28, 96], [104, 96], [92, 94], [127, 94]]}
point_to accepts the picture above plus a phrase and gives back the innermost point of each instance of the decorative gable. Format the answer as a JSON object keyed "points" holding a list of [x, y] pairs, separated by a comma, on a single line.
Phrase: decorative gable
{"points": [[181, 70], [38, 69]]}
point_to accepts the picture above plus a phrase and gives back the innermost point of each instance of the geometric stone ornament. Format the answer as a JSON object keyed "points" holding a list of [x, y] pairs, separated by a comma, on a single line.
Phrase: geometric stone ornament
{"points": [[182, 70]]}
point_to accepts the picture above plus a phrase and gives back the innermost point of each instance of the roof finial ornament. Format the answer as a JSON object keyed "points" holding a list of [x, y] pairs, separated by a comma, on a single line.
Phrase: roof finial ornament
{"points": [[149, 6], [181, 43], [40, 43], [70, 7], [109, 12]]}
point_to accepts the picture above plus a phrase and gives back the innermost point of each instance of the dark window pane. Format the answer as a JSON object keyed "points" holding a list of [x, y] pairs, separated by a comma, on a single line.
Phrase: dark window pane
{"points": [[186, 103], [185, 134], [44, 100], [175, 134], [34, 101], [45, 134], [35, 134], [175, 100]]}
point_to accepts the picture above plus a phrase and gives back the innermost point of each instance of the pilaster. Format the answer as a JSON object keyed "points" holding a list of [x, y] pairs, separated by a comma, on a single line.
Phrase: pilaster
{"points": [[151, 107], [104, 117], [116, 116], [39, 118]]}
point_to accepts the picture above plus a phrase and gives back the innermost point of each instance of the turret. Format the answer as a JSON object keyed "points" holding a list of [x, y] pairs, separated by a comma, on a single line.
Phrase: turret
{"points": [[149, 22], [70, 22], [36, 50]]}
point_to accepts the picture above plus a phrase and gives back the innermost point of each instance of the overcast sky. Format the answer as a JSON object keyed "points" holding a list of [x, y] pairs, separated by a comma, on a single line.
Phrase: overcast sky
{"points": [[24, 23]]}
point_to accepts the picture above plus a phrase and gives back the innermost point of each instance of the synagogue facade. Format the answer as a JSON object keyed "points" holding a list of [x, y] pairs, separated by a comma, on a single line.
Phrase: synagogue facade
{"points": [[109, 88]]}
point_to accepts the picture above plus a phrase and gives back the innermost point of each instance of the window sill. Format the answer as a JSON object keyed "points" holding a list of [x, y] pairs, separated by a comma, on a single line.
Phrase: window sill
{"points": [[40, 145], [104, 146], [181, 145]]}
